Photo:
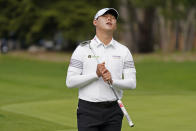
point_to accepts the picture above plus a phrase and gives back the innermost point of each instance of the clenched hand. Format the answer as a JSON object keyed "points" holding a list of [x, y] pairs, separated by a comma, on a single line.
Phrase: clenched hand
{"points": [[104, 73]]}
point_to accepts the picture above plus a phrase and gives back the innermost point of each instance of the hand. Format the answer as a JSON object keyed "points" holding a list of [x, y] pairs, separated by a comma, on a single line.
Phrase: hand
{"points": [[107, 77], [104, 73], [101, 69]]}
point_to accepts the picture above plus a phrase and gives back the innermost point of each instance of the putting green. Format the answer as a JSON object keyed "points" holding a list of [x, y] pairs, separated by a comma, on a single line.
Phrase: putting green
{"points": [[56, 111], [158, 112], [162, 112]]}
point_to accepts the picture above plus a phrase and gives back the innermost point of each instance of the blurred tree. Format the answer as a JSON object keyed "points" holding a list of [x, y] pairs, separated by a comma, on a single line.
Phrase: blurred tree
{"points": [[138, 17], [35, 19], [158, 24], [145, 25], [177, 20]]}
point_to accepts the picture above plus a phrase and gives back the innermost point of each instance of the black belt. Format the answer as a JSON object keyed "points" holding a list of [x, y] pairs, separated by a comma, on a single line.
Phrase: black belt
{"points": [[100, 104]]}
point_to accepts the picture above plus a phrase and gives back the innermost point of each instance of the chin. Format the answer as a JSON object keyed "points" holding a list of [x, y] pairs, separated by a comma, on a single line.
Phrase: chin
{"points": [[110, 29]]}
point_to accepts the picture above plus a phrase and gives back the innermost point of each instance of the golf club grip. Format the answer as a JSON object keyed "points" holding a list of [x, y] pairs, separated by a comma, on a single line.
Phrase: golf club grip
{"points": [[125, 113]]}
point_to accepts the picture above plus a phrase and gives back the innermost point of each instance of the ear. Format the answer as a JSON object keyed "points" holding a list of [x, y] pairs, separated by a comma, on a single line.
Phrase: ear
{"points": [[94, 22]]}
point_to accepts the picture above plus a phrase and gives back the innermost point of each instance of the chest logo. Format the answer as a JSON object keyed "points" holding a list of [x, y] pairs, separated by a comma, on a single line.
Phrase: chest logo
{"points": [[92, 56], [116, 57]]}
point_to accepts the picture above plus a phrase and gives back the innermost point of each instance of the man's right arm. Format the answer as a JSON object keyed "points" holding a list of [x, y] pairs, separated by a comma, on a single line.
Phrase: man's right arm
{"points": [[75, 78]]}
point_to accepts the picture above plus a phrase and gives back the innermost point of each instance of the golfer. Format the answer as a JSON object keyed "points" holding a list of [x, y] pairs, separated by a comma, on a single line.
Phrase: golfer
{"points": [[97, 106]]}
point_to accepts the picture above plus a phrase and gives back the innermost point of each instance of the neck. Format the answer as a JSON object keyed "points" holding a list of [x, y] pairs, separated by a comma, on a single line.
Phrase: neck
{"points": [[104, 37]]}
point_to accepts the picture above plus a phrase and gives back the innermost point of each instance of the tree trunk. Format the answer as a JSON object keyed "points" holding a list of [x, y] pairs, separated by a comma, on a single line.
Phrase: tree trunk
{"points": [[145, 20], [169, 34], [126, 34], [194, 42], [189, 30], [163, 38]]}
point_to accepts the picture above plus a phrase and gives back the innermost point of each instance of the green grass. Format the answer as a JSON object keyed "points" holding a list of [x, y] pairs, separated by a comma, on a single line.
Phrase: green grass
{"points": [[33, 96]]}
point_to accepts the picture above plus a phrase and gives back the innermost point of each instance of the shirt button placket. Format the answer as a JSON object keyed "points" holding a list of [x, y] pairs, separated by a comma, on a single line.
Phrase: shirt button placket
{"points": [[105, 52]]}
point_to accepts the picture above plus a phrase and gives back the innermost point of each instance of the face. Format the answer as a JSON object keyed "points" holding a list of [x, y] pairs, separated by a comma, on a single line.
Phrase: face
{"points": [[105, 22]]}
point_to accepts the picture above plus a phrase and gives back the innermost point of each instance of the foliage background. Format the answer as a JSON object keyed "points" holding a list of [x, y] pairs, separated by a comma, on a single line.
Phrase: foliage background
{"points": [[144, 26]]}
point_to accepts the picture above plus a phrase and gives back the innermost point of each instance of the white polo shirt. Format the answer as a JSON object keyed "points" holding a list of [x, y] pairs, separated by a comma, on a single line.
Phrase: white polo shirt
{"points": [[83, 65]]}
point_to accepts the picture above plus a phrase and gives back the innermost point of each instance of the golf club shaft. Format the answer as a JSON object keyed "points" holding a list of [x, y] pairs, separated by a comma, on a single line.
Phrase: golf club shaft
{"points": [[113, 90], [122, 107]]}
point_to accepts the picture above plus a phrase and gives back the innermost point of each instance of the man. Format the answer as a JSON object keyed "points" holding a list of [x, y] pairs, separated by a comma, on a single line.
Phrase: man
{"points": [[97, 108]]}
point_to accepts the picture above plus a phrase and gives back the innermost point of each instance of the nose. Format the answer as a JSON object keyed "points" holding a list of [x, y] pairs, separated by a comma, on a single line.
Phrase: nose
{"points": [[109, 18]]}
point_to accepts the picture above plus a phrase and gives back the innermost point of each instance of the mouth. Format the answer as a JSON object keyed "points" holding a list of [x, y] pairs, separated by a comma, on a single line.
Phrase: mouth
{"points": [[109, 23]]}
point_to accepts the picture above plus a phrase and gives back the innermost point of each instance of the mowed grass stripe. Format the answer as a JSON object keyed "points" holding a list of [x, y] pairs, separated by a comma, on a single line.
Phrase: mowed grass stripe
{"points": [[58, 111], [18, 122]]}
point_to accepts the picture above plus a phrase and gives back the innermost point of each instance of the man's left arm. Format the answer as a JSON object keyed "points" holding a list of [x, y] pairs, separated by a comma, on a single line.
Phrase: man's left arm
{"points": [[129, 74]]}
